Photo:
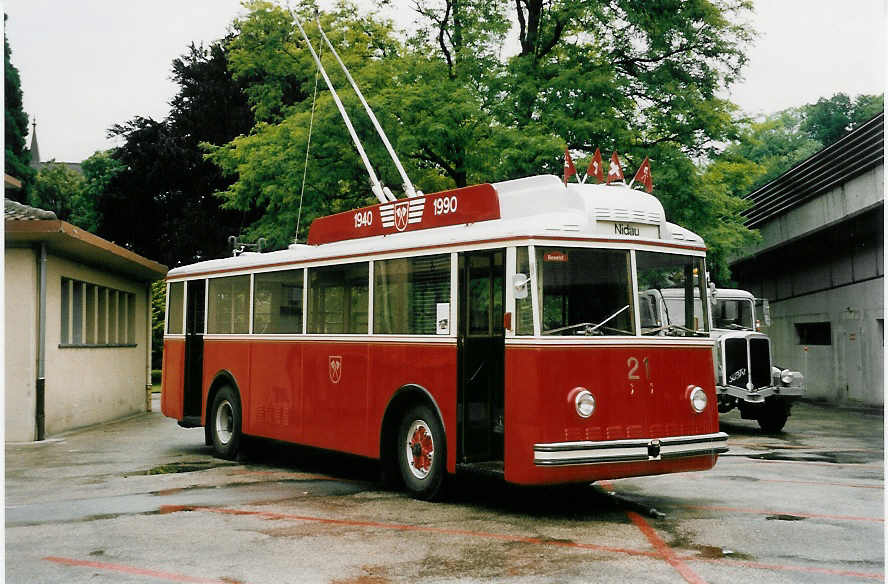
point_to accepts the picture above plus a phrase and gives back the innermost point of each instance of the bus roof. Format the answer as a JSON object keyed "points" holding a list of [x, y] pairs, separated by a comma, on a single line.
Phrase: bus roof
{"points": [[533, 208]]}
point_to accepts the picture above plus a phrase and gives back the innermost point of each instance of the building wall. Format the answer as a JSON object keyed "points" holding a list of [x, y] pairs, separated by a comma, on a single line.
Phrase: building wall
{"points": [[20, 347], [851, 367], [823, 262], [87, 385]]}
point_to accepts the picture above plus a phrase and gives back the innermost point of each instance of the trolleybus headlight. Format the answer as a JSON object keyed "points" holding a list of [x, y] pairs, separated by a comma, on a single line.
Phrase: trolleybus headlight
{"points": [[786, 376], [585, 403], [698, 398]]}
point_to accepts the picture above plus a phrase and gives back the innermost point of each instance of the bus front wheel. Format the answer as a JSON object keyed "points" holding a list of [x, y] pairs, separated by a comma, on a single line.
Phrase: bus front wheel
{"points": [[421, 452], [225, 423]]}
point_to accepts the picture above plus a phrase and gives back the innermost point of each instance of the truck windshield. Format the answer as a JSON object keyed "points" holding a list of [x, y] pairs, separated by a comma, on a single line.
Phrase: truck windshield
{"points": [[733, 314], [671, 288], [584, 291]]}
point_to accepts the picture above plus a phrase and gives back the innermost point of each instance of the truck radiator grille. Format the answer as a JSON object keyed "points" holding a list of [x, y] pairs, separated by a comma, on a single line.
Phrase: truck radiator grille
{"points": [[745, 359]]}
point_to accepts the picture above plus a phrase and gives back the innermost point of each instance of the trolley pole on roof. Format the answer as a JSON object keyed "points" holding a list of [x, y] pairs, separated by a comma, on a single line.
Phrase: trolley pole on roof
{"points": [[408, 186], [375, 184]]}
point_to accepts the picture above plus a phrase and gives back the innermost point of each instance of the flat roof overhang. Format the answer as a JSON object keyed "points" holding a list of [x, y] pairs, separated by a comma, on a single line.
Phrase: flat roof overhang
{"points": [[65, 239]]}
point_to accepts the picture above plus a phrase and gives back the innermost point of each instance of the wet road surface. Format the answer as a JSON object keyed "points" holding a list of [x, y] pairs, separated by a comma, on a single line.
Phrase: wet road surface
{"points": [[143, 500]]}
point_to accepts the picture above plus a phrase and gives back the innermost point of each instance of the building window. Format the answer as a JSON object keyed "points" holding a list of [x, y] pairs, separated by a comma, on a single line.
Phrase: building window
{"points": [[96, 316], [814, 333]]}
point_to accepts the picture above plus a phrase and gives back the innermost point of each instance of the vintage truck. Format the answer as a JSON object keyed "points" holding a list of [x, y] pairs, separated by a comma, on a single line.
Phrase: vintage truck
{"points": [[746, 376]]}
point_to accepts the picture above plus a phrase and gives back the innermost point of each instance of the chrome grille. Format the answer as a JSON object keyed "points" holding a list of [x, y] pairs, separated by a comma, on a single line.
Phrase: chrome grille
{"points": [[747, 358]]}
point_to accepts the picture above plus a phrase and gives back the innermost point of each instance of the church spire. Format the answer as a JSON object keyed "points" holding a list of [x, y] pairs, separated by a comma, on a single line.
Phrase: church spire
{"points": [[35, 152]]}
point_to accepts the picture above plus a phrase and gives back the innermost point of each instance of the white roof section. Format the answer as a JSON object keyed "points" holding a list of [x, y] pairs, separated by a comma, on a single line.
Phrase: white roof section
{"points": [[537, 207], [733, 294]]}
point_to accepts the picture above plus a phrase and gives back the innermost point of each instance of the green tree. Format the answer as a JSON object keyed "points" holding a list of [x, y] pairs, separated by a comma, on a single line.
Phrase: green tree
{"points": [[16, 125], [155, 194], [639, 77], [158, 320], [829, 119], [58, 189]]}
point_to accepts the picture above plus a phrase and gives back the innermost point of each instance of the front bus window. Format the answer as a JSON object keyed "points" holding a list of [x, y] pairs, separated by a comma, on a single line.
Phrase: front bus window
{"points": [[584, 291], [672, 290]]}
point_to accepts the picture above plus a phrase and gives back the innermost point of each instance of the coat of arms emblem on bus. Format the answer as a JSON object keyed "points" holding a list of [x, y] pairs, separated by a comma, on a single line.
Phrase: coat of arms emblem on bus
{"points": [[400, 215], [335, 368]]}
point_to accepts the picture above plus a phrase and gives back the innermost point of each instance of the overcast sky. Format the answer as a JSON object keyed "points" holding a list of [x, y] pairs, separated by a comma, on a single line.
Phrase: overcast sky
{"points": [[88, 64]]}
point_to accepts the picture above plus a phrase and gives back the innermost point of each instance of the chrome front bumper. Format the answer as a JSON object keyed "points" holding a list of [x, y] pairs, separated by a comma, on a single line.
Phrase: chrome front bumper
{"points": [[632, 450]]}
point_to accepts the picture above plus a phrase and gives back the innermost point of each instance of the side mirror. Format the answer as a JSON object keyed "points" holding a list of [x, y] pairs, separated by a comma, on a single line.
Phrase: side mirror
{"points": [[713, 295], [519, 283]]}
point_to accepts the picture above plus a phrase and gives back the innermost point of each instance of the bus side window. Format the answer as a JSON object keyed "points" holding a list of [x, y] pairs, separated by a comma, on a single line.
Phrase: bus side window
{"points": [[277, 302], [407, 292], [524, 306], [175, 311], [229, 305], [338, 299]]}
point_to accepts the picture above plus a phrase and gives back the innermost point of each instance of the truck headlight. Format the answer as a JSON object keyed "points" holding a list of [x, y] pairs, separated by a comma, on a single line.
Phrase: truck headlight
{"points": [[698, 398], [585, 403], [786, 376]]}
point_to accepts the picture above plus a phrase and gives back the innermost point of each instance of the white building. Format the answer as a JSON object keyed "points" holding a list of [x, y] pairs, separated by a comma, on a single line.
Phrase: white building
{"points": [[821, 265], [78, 326]]}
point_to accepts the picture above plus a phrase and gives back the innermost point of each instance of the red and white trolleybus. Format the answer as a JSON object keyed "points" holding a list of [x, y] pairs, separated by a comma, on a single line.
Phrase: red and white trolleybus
{"points": [[495, 327]]}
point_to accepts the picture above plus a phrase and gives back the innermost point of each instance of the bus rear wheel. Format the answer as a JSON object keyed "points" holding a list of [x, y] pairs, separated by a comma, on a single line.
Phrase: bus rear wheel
{"points": [[225, 423], [422, 452]]}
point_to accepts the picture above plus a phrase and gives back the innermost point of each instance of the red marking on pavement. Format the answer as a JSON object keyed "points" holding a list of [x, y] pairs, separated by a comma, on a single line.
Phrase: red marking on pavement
{"points": [[664, 550], [422, 528], [133, 570], [772, 512], [299, 475], [661, 553], [782, 568]]}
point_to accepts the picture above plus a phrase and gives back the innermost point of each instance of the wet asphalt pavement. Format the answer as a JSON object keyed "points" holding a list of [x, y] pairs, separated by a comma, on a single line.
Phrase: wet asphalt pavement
{"points": [[142, 500]]}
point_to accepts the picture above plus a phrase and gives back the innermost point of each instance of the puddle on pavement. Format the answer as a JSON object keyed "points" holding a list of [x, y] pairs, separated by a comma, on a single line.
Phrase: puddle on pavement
{"points": [[170, 500], [782, 517], [179, 467], [835, 457]]}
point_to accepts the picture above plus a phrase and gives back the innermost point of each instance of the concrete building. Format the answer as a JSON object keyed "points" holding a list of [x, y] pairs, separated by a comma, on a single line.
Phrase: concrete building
{"points": [[78, 326], [820, 263]]}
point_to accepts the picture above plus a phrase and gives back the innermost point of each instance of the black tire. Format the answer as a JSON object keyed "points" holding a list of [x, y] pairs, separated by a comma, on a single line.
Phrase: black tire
{"points": [[422, 452], [773, 417], [224, 423]]}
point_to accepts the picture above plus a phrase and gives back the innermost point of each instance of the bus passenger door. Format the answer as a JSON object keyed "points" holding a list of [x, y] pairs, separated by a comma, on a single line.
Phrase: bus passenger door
{"points": [[481, 342], [194, 329]]}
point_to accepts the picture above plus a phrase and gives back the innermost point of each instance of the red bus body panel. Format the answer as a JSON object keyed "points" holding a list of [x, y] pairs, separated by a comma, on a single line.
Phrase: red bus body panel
{"points": [[291, 392], [172, 382], [540, 379], [288, 391]]}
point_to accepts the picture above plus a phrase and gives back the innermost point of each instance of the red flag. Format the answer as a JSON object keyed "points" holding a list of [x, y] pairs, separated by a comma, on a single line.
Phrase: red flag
{"points": [[569, 168], [614, 172], [596, 167], [644, 175]]}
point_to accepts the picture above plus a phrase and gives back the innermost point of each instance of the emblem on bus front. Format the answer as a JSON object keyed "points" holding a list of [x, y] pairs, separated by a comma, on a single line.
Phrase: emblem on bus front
{"points": [[335, 368]]}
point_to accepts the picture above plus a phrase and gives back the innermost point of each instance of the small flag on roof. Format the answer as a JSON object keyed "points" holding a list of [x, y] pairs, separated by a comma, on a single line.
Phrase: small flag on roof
{"points": [[615, 172], [596, 167], [569, 168], [643, 175]]}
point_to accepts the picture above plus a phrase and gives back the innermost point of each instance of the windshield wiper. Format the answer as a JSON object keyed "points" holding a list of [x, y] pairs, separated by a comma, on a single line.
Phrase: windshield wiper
{"points": [[670, 327], [589, 327]]}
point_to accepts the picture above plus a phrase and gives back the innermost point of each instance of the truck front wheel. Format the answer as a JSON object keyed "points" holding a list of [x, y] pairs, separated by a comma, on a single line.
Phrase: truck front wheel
{"points": [[772, 417]]}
